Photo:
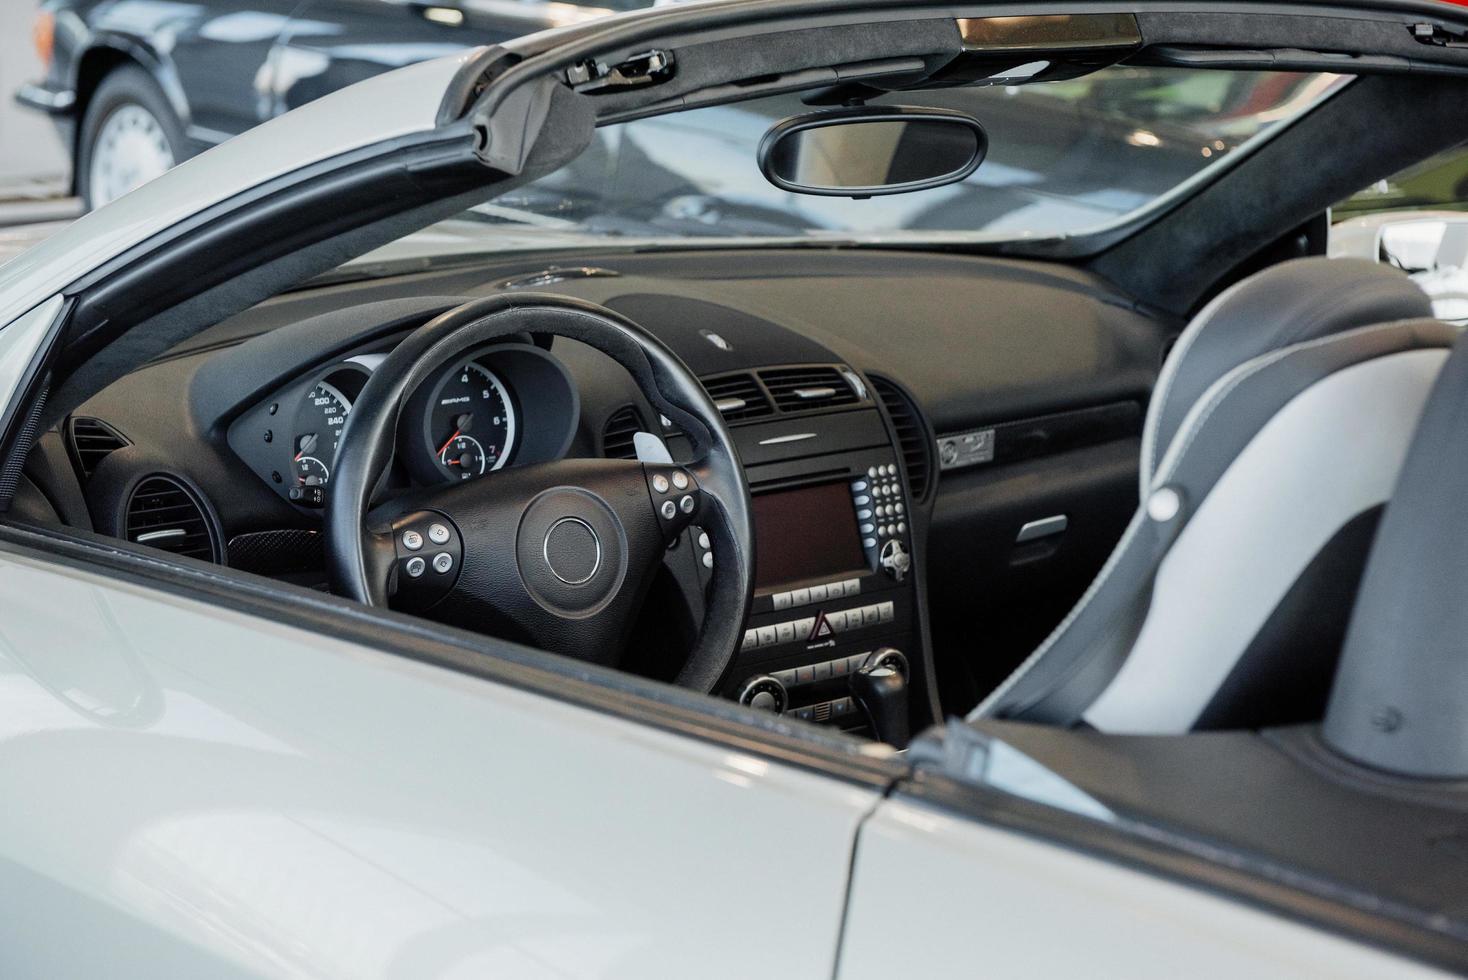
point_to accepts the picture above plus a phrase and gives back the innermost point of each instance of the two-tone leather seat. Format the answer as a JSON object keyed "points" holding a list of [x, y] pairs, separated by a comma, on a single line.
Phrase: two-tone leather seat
{"points": [[1274, 437]]}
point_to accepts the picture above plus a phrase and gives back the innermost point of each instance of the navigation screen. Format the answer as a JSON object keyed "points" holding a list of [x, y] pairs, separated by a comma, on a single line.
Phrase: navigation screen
{"points": [[805, 533]]}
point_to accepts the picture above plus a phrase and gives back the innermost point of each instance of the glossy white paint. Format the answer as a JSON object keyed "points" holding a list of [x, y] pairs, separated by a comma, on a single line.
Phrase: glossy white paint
{"points": [[20, 340], [190, 792], [937, 896], [382, 108]]}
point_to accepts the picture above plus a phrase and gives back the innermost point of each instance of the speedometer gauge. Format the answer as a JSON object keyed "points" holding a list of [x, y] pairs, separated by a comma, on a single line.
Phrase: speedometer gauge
{"points": [[471, 423], [319, 424]]}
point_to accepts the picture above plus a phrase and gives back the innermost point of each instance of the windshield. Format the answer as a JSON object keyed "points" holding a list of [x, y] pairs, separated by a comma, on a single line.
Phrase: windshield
{"points": [[1065, 157]]}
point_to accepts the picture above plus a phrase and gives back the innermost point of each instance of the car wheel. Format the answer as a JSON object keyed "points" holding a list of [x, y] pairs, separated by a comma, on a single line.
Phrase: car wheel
{"points": [[129, 135]]}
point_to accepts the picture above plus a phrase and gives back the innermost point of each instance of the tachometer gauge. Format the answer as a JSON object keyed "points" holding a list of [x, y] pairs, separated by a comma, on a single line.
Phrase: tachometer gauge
{"points": [[471, 423], [318, 429]]}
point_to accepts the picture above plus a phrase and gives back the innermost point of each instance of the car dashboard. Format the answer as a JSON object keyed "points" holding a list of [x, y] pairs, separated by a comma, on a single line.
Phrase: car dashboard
{"points": [[901, 419]]}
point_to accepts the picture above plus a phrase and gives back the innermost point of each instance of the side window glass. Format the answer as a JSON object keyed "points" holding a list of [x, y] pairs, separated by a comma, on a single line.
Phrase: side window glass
{"points": [[1416, 220]]}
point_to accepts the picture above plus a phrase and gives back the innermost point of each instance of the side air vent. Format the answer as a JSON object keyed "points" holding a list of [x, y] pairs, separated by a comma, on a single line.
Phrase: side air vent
{"points": [[912, 436], [738, 397], [163, 513], [91, 440], [616, 439], [804, 389]]}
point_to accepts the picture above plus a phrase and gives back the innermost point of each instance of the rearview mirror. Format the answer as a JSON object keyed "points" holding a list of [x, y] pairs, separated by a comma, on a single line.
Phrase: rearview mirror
{"points": [[866, 151]]}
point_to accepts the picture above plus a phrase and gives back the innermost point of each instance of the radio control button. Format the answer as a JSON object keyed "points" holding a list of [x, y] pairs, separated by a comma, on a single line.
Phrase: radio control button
{"points": [[872, 472], [869, 543], [781, 600], [859, 486], [862, 500], [767, 636], [800, 597], [885, 612], [784, 632], [851, 586], [899, 509], [751, 640], [901, 527], [866, 529], [817, 593], [863, 515]]}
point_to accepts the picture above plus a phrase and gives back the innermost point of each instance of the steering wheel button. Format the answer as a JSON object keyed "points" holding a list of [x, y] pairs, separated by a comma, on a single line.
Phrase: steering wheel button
{"points": [[415, 566], [412, 540], [687, 503], [708, 559], [442, 562], [703, 541], [438, 534], [669, 509], [680, 480], [660, 483]]}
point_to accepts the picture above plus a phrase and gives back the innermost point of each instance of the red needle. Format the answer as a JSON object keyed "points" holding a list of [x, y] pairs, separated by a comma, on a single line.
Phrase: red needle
{"points": [[445, 447]]}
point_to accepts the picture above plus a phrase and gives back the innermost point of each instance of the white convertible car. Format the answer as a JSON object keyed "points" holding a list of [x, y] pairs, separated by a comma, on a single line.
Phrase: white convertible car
{"points": [[444, 538]]}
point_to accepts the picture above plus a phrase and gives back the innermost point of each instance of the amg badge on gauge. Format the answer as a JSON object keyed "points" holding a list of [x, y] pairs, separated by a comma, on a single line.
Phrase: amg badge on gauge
{"points": [[471, 423]]}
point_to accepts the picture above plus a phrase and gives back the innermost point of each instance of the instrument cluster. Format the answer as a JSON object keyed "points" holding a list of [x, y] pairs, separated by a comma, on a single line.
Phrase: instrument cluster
{"points": [[506, 404]]}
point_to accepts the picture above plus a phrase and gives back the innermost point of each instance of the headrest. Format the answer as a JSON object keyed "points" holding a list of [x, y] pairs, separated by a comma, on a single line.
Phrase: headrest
{"points": [[1286, 304]]}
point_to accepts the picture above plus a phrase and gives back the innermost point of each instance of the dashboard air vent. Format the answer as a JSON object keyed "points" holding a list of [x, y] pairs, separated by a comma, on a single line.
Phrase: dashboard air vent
{"points": [[616, 438], [912, 436], [804, 389], [738, 397], [91, 440], [163, 513]]}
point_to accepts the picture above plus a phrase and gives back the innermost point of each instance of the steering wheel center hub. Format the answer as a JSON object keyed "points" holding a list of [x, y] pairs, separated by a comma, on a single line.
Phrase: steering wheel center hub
{"points": [[571, 550]]}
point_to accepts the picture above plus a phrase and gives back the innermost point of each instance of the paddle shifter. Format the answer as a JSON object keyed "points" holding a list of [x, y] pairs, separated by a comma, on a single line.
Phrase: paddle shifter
{"points": [[880, 689]]}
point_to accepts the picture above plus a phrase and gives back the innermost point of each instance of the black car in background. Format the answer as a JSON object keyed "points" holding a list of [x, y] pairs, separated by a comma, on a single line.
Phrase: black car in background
{"points": [[139, 85]]}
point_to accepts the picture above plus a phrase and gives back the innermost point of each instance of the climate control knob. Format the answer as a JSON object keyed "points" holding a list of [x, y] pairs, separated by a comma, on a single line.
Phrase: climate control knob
{"points": [[764, 693]]}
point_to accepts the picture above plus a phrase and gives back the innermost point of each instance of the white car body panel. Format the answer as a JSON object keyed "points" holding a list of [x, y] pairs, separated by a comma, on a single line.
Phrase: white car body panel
{"points": [[939, 896], [198, 793], [388, 106]]}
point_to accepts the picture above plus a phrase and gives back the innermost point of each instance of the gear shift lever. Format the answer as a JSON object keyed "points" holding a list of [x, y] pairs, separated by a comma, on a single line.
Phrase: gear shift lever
{"points": [[881, 691]]}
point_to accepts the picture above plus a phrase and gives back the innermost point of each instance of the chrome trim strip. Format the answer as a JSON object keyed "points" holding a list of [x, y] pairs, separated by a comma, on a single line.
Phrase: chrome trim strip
{"points": [[168, 532], [779, 440]]}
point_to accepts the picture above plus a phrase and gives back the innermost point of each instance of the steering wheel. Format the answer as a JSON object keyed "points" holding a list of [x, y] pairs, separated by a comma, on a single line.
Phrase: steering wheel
{"points": [[558, 555]]}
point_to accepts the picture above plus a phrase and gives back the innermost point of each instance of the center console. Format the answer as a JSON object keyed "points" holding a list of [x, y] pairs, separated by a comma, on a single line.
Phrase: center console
{"points": [[836, 588]]}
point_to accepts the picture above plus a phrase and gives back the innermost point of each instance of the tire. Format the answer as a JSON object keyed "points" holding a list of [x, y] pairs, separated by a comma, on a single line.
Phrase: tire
{"points": [[129, 135]]}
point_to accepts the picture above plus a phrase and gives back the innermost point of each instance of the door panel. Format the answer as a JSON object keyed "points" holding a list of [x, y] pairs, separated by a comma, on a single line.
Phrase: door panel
{"points": [[207, 794], [219, 50], [942, 896]]}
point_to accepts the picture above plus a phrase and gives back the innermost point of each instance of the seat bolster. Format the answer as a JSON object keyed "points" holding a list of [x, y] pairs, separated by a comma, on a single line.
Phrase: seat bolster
{"points": [[1085, 653], [1288, 304]]}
